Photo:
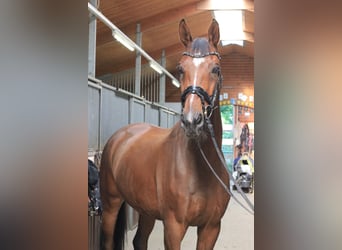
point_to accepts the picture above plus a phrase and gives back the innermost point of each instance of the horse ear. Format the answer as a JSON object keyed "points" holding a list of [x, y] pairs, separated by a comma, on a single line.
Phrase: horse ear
{"points": [[214, 33], [184, 33]]}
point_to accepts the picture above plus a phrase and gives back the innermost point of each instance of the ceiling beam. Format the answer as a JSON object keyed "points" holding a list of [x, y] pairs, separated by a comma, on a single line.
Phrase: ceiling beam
{"points": [[172, 52], [226, 5], [248, 36], [152, 22], [128, 62]]}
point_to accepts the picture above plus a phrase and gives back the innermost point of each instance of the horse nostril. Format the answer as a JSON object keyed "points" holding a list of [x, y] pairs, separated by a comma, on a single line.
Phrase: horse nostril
{"points": [[198, 119], [192, 121], [184, 120]]}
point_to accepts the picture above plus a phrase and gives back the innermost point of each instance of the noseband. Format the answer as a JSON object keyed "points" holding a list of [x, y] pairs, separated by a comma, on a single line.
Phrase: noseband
{"points": [[207, 110], [201, 93]]}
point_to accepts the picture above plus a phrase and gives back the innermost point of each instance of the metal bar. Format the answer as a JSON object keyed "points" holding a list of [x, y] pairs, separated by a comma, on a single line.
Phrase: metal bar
{"points": [[149, 85], [133, 80], [162, 80], [94, 85], [158, 91], [154, 87], [128, 79], [144, 84], [92, 42], [100, 120], [125, 81], [104, 85], [130, 110], [106, 21], [101, 85], [93, 79], [153, 82], [138, 63]]}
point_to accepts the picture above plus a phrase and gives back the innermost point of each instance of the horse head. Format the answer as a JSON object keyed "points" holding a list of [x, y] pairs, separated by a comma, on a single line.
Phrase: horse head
{"points": [[200, 78]]}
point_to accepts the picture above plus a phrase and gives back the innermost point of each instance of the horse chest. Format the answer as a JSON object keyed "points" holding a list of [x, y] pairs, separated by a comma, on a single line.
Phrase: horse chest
{"points": [[196, 205], [202, 209]]}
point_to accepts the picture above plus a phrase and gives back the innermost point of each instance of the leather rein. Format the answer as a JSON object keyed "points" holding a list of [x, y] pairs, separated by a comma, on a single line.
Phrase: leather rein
{"points": [[207, 111]]}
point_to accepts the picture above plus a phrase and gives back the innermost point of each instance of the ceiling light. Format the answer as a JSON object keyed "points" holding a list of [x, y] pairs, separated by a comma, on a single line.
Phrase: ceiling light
{"points": [[231, 26], [176, 83], [124, 42], [156, 67]]}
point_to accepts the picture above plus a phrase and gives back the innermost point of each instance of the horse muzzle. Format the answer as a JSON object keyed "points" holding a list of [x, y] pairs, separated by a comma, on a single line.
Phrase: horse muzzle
{"points": [[192, 124]]}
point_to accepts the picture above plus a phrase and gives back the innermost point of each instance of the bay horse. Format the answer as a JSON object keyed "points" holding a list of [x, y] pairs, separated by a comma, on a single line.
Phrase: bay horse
{"points": [[160, 172]]}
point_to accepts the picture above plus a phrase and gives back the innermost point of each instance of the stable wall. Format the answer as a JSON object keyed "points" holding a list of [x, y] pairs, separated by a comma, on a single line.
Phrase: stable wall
{"points": [[238, 77]]}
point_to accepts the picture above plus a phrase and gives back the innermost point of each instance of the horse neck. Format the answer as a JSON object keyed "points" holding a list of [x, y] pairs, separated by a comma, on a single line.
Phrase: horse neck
{"points": [[208, 147], [192, 145]]}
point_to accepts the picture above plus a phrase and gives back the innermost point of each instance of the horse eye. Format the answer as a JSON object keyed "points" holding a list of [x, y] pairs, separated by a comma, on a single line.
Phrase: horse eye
{"points": [[216, 70], [180, 70]]}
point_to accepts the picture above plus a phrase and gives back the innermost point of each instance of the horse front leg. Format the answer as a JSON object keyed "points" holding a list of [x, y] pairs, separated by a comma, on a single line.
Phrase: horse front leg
{"points": [[207, 236], [145, 227], [173, 233]]}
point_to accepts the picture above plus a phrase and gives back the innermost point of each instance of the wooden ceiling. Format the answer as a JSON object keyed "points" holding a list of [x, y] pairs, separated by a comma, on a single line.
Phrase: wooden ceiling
{"points": [[159, 21]]}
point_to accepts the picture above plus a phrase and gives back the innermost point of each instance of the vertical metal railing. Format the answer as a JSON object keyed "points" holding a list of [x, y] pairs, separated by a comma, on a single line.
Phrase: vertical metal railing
{"points": [[94, 227], [125, 80], [122, 80], [149, 83], [132, 44]]}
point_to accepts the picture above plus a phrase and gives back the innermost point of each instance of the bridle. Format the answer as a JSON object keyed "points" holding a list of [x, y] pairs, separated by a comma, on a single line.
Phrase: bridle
{"points": [[200, 92], [207, 111], [212, 53]]}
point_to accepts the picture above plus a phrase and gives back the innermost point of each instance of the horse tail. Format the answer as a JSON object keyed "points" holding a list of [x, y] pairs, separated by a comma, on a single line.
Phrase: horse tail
{"points": [[101, 239], [119, 230]]}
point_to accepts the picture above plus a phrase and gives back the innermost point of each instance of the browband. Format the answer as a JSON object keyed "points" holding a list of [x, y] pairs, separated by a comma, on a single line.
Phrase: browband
{"points": [[213, 53]]}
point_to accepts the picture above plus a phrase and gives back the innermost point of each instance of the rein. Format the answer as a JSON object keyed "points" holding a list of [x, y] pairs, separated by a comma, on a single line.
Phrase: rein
{"points": [[208, 110], [211, 130]]}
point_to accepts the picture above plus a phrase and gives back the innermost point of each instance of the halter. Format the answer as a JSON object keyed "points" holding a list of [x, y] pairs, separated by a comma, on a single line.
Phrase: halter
{"points": [[203, 95]]}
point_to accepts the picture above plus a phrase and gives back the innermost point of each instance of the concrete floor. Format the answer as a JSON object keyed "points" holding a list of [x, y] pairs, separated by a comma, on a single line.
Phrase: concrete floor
{"points": [[237, 231]]}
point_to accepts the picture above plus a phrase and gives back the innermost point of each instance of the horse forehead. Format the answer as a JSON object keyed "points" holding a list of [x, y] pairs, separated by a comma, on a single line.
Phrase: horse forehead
{"points": [[198, 61], [200, 46]]}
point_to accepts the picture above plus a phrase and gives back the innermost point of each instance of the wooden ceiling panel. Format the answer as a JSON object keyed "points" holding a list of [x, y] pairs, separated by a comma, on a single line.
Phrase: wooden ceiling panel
{"points": [[158, 21], [164, 36], [249, 21], [123, 12]]}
